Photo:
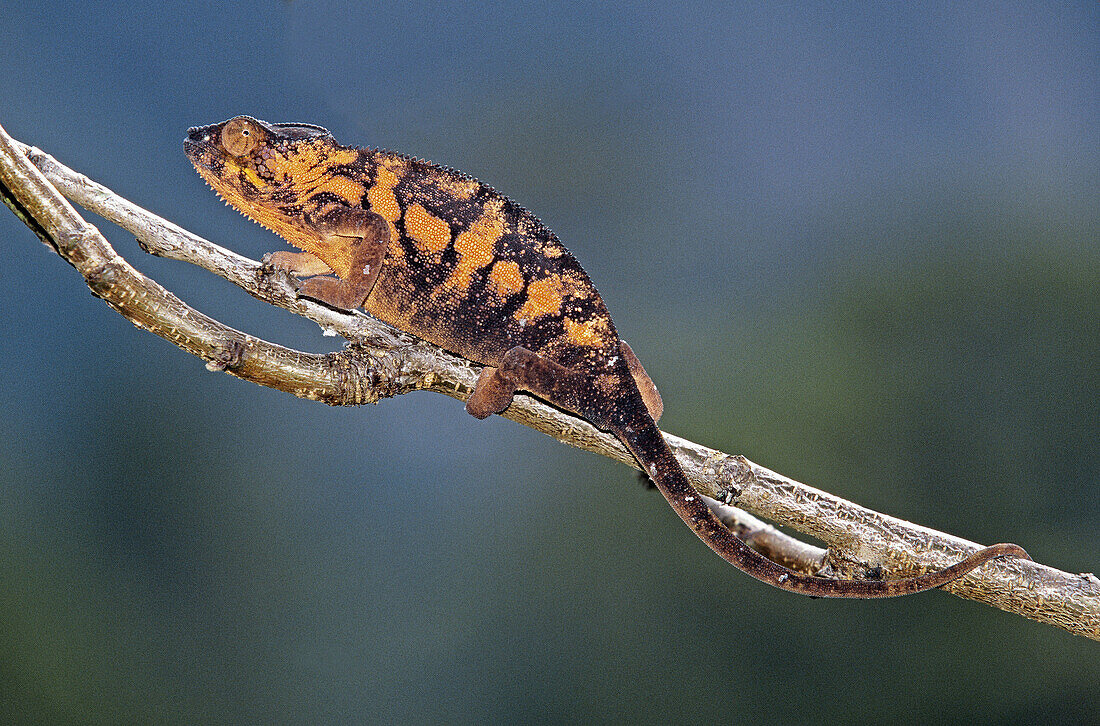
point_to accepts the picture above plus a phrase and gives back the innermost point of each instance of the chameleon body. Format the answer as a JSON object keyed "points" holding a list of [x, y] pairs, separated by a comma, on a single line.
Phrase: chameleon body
{"points": [[440, 255]]}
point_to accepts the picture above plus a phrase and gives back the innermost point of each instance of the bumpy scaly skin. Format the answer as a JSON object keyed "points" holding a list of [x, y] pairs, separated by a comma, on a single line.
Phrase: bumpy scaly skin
{"points": [[444, 257], [464, 267]]}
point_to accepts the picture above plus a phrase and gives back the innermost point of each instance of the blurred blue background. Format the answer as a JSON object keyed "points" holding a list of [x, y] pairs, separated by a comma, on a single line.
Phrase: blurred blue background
{"points": [[856, 244]]}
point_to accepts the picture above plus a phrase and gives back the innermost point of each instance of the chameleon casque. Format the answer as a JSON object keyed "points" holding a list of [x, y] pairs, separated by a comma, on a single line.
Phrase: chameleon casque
{"points": [[440, 255]]}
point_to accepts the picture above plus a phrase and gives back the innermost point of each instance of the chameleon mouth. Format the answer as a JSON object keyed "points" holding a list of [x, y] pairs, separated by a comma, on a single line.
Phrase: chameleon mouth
{"points": [[204, 156], [196, 153], [199, 147]]}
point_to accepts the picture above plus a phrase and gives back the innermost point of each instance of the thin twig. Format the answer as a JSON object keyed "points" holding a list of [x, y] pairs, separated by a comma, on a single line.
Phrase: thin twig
{"points": [[384, 362]]}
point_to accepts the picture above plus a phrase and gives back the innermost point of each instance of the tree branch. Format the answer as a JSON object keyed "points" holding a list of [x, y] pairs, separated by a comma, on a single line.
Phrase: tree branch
{"points": [[381, 361]]}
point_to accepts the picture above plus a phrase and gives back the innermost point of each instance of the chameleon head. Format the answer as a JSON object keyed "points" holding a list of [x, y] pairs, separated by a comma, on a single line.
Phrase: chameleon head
{"points": [[258, 167]]}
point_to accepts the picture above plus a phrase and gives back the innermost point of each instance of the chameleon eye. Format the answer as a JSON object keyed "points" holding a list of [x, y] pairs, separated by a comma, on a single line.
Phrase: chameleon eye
{"points": [[240, 136]]}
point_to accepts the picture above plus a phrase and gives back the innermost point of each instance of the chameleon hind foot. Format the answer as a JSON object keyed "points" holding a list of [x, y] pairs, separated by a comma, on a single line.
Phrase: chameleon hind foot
{"points": [[521, 370], [492, 394]]}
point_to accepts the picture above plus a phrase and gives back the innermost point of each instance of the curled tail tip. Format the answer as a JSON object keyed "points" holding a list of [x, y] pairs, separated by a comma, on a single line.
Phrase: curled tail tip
{"points": [[652, 452]]}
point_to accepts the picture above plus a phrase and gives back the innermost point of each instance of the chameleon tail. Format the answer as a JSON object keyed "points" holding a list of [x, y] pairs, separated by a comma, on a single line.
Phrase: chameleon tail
{"points": [[640, 434]]}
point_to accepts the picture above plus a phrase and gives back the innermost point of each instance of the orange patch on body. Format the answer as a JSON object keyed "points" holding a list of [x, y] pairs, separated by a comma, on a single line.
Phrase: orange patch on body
{"points": [[344, 187], [304, 167], [382, 199], [577, 286], [591, 333], [457, 188], [430, 233], [475, 247], [544, 297], [343, 156], [506, 278], [310, 162]]}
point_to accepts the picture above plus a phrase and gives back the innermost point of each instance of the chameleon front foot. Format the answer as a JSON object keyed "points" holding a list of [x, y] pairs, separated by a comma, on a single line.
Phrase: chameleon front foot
{"points": [[353, 243], [357, 240], [298, 264]]}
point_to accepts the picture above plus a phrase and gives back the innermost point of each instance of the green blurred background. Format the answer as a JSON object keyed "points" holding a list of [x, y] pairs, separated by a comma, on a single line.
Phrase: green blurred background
{"points": [[857, 244]]}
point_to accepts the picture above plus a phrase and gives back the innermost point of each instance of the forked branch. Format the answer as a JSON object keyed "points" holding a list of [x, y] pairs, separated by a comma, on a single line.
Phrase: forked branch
{"points": [[381, 361]]}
